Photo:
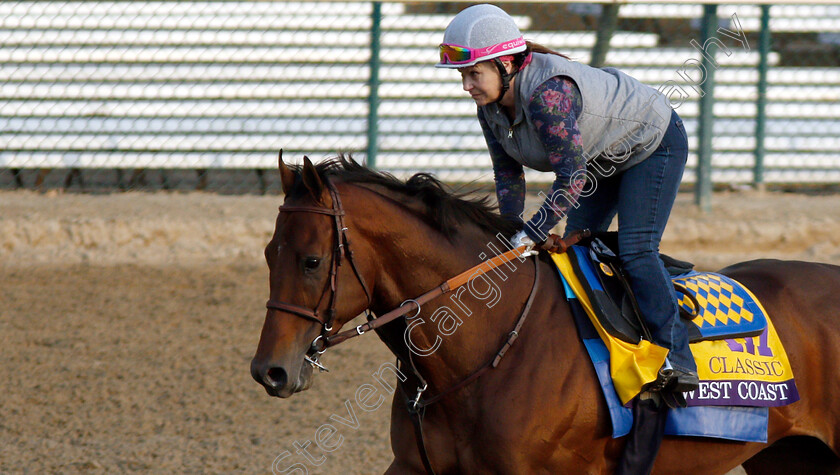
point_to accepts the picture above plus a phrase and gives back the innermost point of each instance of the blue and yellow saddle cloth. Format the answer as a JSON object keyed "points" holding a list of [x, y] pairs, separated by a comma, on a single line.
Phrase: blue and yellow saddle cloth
{"points": [[739, 377]]}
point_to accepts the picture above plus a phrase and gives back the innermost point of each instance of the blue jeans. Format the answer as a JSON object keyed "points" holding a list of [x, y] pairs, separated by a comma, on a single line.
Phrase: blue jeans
{"points": [[643, 196]]}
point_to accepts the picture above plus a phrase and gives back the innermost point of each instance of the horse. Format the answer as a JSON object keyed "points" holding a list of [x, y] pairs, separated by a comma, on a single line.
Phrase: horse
{"points": [[539, 409]]}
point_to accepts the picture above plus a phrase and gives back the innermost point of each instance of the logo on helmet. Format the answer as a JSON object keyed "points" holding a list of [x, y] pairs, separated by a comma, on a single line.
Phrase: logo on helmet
{"points": [[505, 46]]}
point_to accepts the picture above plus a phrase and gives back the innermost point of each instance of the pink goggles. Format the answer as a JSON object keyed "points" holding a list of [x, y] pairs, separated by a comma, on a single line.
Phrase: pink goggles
{"points": [[454, 54]]}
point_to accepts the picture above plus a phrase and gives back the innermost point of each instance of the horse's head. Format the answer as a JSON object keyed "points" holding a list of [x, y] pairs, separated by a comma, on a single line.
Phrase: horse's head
{"points": [[307, 259], [319, 281]]}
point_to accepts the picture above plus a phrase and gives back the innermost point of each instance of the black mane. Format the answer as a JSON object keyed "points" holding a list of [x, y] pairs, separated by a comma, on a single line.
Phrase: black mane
{"points": [[444, 209]]}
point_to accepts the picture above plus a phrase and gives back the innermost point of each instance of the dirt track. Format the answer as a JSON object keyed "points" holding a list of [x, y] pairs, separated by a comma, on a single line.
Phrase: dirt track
{"points": [[127, 323]]}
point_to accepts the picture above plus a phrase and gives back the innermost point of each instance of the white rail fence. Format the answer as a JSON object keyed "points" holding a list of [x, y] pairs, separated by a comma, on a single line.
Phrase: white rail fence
{"points": [[224, 85]]}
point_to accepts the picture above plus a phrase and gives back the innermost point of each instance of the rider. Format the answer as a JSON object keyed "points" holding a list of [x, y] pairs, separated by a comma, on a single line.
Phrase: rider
{"points": [[615, 146]]}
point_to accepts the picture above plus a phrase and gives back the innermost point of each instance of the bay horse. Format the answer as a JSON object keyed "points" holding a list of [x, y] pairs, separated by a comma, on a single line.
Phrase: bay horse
{"points": [[349, 239]]}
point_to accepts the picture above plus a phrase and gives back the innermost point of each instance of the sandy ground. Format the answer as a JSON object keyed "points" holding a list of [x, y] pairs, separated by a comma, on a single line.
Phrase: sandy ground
{"points": [[202, 228], [127, 323]]}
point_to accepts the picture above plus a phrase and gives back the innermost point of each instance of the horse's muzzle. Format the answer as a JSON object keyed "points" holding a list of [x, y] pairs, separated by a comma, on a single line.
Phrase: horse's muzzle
{"points": [[275, 378]]}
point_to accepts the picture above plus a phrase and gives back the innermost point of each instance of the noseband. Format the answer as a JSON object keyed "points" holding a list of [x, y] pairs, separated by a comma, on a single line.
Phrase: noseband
{"points": [[341, 249]]}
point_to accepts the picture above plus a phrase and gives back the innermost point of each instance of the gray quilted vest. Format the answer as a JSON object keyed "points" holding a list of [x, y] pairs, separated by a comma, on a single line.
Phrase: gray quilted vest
{"points": [[622, 121]]}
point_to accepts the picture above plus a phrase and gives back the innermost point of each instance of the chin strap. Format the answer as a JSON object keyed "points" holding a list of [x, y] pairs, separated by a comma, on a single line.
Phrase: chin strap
{"points": [[506, 77]]}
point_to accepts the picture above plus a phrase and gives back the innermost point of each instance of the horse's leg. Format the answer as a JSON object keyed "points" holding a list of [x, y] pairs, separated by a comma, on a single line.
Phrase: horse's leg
{"points": [[794, 455]]}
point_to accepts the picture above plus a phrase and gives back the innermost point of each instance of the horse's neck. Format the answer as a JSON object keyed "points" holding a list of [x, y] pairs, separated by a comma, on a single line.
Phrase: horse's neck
{"points": [[458, 332], [419, 262], [547, 335], [412, 257]]}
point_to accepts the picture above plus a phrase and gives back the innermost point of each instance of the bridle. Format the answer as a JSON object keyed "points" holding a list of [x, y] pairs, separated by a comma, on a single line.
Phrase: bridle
{"points": [[325, 340], [341, 249]]}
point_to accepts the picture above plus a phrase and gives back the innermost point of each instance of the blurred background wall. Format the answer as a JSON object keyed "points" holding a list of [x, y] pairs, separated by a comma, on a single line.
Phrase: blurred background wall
{"points": [[103, 95]]}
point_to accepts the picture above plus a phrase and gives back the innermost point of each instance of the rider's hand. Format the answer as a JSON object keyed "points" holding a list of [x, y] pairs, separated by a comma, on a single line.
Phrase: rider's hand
{"points": [[521, 239]]}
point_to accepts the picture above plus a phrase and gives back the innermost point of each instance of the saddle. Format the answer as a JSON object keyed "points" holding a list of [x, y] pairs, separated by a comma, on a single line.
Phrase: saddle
{"points": [[713, 306]]}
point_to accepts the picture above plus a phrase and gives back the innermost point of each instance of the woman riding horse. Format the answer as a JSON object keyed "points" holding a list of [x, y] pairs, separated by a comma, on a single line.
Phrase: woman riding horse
{"points": [[613, 144], [540, 409]]}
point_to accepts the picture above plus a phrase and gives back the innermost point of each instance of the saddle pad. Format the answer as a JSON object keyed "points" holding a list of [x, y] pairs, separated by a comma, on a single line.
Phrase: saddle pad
{"points": [[745, 424], [727, 308], [751, 371]]}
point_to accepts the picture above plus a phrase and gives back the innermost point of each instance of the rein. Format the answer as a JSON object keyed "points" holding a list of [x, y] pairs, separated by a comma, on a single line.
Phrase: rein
{"points": [[415, 304]]}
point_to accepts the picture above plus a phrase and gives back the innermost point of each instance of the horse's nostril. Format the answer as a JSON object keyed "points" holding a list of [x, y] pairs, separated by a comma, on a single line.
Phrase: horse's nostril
{"points": [[276, 377]]}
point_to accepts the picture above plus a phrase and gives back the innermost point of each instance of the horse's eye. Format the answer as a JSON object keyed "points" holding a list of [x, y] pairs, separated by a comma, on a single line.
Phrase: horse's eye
{"points": [[311, 263]]}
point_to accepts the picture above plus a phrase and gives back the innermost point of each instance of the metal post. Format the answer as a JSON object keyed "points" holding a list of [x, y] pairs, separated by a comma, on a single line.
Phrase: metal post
{"points": [[606, 27], [703, 191], [761, 102], [373, 85]]}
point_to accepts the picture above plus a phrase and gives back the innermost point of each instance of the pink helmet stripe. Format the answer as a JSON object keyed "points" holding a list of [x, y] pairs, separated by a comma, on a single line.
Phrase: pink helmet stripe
{"points": [[493, 49]]}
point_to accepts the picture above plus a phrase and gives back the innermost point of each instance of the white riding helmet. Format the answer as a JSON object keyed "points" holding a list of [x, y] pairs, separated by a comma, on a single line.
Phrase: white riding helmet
{"points": [[479, 33]]}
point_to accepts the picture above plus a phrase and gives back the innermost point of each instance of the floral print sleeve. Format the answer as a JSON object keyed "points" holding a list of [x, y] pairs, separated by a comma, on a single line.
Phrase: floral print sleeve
{"points": [[554, 109], [508, 175]]}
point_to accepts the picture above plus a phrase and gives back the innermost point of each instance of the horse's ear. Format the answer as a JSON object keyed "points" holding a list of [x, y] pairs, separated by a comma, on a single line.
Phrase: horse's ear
{"points": [[311, 179], [287, 176]]}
